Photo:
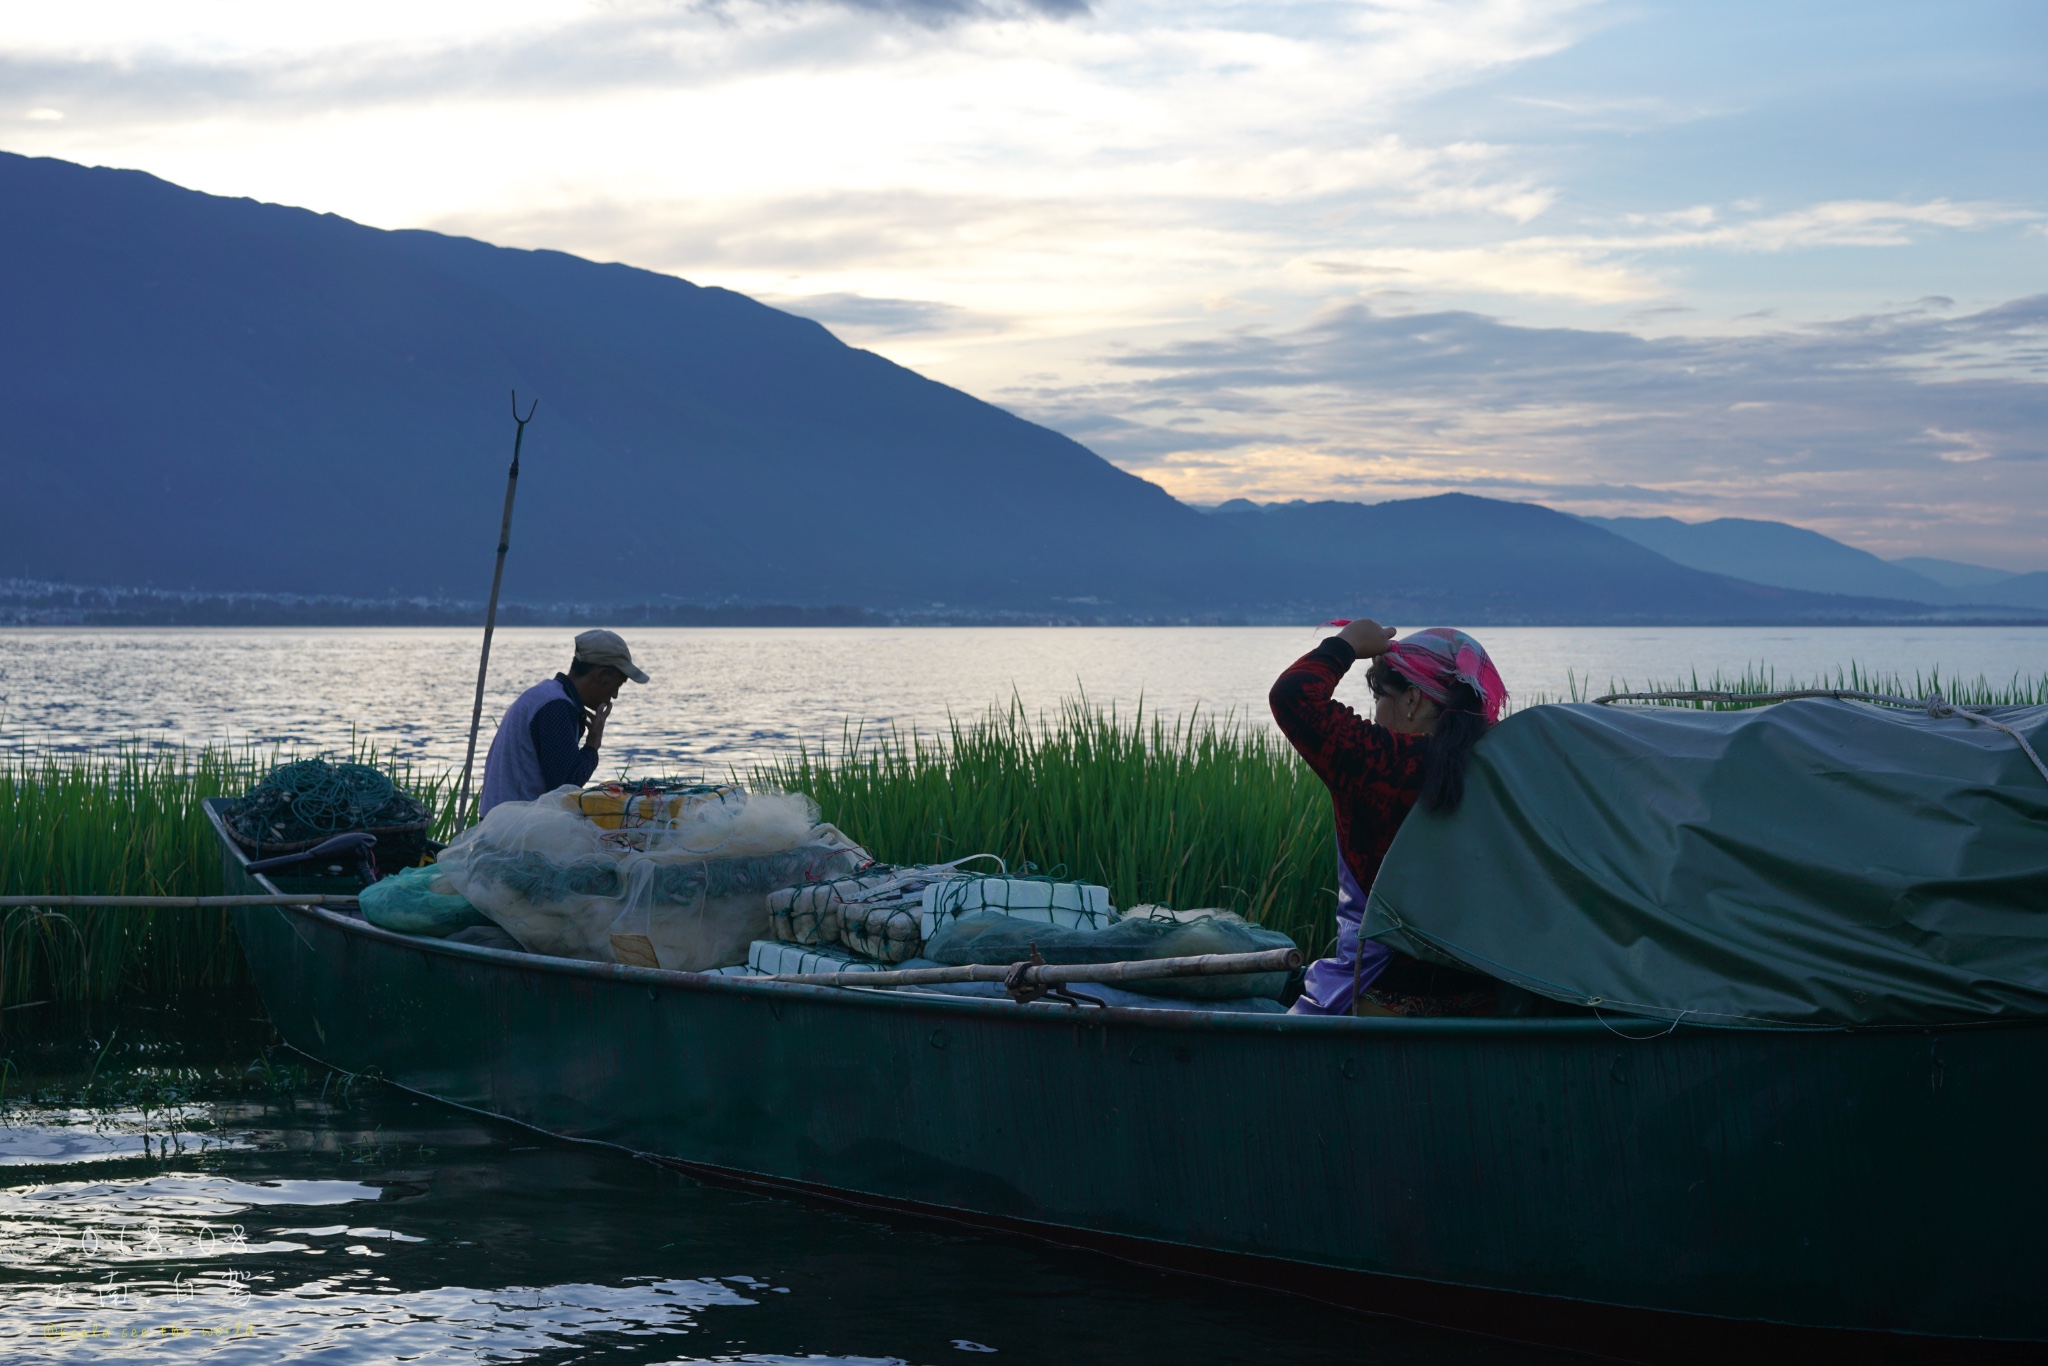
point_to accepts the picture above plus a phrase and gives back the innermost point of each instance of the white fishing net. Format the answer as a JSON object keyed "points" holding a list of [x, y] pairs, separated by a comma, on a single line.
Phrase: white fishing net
{"points": [[682, 886]]}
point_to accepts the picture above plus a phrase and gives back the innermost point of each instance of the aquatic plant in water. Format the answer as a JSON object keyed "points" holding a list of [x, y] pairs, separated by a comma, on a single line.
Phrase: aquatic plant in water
{"points": [[1190, 812], [125, 821]]}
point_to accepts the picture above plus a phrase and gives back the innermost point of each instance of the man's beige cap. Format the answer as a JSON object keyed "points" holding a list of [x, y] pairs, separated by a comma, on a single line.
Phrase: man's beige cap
{"points": [[607, 647]]}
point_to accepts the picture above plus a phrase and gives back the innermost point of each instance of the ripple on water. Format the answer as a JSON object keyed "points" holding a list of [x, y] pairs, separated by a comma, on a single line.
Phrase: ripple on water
{"points": [[355, 1317], [49, 1136], [296, 1218]]}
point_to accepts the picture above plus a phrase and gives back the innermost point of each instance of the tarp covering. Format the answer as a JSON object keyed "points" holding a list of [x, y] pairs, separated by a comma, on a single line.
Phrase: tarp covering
{"points": [[1813, 862]]}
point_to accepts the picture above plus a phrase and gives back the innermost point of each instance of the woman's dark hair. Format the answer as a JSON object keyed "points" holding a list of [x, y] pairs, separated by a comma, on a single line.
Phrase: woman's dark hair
{"points": [[1459, 727]]}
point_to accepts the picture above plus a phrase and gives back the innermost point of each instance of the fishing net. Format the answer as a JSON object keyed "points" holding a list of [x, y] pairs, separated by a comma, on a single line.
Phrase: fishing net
{"points": [[418, 901], [990, 937], [686, 891], [300, 804]]}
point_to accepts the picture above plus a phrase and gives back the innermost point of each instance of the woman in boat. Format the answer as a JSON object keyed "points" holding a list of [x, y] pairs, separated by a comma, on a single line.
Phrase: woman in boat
{"points": [[1435, 693]]}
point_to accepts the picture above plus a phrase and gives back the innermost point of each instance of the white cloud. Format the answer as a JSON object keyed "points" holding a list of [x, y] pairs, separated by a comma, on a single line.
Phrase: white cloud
{"points": [[1835, 223], [1512, 269], [1874, 426]]}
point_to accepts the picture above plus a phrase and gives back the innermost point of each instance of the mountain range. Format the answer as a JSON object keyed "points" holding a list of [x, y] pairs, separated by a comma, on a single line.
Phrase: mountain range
{"points": [[1793, 557], [214, 400]]}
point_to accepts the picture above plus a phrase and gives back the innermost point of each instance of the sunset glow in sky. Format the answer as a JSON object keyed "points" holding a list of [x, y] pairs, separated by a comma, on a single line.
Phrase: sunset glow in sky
{"points": [[1740, 259]]}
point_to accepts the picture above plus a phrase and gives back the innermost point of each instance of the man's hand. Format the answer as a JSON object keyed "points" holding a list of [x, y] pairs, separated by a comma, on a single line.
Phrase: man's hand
{"points": [[594, 736], [1367, 638]]}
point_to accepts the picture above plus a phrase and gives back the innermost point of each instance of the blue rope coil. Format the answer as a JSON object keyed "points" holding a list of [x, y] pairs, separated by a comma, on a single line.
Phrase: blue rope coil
{"points": [[312, 799]]}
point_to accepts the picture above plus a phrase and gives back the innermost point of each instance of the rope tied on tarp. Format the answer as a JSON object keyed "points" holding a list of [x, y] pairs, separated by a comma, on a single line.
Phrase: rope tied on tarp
{"points": [[1937, 707]]}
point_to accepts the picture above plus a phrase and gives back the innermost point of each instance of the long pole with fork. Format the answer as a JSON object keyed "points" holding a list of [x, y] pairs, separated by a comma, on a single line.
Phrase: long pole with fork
{"points": [[483, 664]]}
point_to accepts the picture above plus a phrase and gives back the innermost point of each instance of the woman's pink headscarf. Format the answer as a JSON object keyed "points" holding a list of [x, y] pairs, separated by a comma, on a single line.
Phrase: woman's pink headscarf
{"points": [[1438, 659]]}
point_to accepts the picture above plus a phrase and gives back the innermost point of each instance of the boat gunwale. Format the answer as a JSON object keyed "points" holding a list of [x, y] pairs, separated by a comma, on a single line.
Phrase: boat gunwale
{"points": [[1164, 1017]]}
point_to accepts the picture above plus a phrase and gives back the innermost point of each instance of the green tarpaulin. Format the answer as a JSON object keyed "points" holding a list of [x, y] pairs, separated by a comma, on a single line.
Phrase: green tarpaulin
{"points": [[1814, 862]]}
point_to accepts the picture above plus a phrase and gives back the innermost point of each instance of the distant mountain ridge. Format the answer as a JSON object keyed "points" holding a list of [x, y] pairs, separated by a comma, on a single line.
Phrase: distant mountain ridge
{"points": [[238, 398], [1953, 573], [1793, 557]]}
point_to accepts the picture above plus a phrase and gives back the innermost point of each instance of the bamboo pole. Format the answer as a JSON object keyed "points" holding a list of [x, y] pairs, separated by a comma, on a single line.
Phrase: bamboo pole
{"points": [[175, 902], [483, 664], [1056, 974]]}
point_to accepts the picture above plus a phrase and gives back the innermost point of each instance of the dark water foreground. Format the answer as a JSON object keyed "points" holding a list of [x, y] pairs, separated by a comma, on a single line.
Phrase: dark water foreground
{"points": [[174, 1185]]}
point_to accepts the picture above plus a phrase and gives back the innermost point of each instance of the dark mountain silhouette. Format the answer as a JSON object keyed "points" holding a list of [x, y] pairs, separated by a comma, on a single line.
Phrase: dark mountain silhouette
{"points": [[231, 397], [1775, 553], [1954, 573], [223, 394], [1455, 556], [2021, 590], [1794, 557]]}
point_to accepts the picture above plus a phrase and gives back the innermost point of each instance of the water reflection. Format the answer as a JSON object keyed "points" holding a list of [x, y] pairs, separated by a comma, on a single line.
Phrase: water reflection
{"points": [[293, 1213]]}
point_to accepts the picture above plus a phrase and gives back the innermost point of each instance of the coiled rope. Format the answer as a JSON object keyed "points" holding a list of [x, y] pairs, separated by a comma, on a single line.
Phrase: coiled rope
{"points": [[312, 799], [1935, 706]]}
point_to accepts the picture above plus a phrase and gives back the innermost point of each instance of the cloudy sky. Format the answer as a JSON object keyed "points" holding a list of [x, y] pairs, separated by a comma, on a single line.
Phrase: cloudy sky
{"points": [[1785, 260]]}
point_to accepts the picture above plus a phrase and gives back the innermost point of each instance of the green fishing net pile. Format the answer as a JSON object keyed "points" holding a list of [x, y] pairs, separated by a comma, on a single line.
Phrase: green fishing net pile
{"points": [[312, 799]]}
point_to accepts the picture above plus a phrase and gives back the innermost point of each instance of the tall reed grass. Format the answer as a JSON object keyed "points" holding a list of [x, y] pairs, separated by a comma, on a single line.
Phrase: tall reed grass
{"points": [[1198, 811], [125, 822], [2019, 691]]}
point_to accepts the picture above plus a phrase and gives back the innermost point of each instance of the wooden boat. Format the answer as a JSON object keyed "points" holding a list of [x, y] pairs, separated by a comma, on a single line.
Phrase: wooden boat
{"points": [[1609, 1185]]}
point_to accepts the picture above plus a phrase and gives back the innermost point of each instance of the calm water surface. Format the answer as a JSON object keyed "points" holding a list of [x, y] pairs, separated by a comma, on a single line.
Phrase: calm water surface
{"points": [[173, 1188], [721, 697]]}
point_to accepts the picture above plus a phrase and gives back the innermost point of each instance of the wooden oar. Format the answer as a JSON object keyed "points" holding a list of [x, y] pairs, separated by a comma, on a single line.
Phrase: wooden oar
{"points": [[1058, 974], [177, 902]]}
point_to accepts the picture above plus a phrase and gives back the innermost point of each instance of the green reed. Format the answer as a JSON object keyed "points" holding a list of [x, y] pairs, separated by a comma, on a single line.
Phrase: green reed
{"points": [[126, 821], [2018, 691], [1200, 811]]}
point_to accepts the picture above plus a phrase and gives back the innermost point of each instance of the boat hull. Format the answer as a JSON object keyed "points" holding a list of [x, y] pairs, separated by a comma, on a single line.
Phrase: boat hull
{"points": [[1550, 1180]]}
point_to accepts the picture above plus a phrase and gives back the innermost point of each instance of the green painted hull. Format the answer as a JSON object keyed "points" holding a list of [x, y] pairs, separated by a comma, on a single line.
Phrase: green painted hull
{"points": [[1544, 1179]]}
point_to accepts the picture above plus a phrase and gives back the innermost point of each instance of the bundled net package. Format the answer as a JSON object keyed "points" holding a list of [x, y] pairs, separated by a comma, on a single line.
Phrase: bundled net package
{"points": [[686, 891], [882, 912], [1047, 900], [882, 922], [992, 937], [810, 915]]}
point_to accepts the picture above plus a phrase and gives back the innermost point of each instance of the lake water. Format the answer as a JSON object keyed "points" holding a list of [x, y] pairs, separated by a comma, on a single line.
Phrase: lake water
{"points": [[171, 1189], [723, 697], [173, 1186]]}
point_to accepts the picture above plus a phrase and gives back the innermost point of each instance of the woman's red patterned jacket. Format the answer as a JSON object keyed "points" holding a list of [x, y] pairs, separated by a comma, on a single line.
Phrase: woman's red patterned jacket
{"points": [[1374, 774]]}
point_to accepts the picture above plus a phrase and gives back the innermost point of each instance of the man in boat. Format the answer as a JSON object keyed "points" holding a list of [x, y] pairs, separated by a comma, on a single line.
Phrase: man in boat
{"points": [[1435, 694], [550, 736]]}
